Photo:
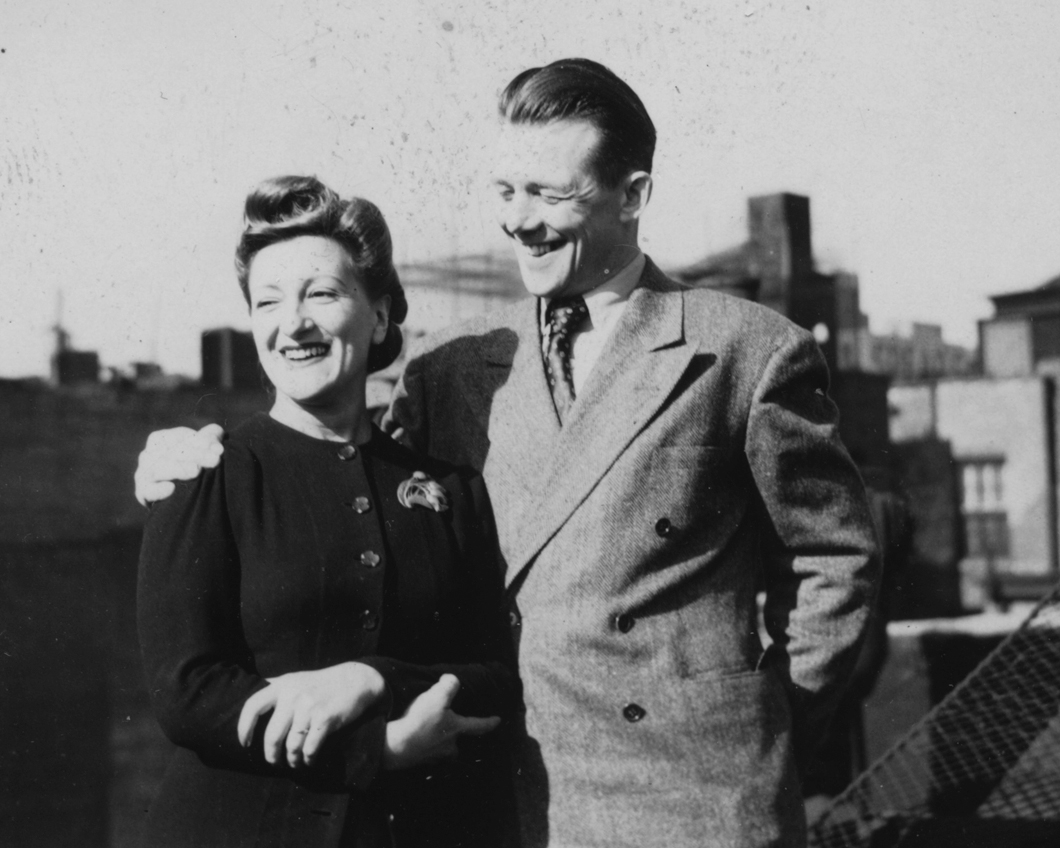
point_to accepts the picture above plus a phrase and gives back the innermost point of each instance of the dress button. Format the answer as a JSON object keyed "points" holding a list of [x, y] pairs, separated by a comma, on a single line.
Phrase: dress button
{"points": [[633, 712], [663, 527], [624, 622], [514, 619], [361, 505], [370, 559], [371, 622], [347, 452]]}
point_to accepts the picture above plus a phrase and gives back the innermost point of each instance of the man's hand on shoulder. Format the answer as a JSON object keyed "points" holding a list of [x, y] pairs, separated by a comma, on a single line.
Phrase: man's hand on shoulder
{"points": [[179, 453]]}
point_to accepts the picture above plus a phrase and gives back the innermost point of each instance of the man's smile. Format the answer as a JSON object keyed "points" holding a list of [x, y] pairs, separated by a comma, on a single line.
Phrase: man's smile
{"points": [[543, 248]]}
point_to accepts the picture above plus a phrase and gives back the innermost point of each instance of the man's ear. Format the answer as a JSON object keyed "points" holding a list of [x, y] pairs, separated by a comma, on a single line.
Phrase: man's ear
{"points": [[636, 191]]}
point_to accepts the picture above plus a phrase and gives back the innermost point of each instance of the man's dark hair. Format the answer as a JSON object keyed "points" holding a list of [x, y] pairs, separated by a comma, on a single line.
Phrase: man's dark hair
{"points": [[580, 89]]}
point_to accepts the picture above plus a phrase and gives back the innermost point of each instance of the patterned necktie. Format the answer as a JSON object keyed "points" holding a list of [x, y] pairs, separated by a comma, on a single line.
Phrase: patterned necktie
{"points": [[564, 317]]}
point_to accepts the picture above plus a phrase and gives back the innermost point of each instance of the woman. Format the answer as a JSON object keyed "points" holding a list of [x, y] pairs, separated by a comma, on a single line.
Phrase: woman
{"points": [[308, 608]]}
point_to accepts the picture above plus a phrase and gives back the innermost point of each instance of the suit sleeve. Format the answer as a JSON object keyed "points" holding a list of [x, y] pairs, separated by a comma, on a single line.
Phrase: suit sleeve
{"points": [[199, 668], [405, 420], [489, 685], [822, 567]]}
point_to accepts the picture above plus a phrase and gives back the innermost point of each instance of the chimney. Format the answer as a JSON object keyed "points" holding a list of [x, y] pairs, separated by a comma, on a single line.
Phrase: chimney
{"points": [[781, 251]]}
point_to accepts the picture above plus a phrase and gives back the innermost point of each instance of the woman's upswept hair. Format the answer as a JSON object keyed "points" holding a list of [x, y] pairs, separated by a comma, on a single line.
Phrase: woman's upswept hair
{"points": [[284, 208]]}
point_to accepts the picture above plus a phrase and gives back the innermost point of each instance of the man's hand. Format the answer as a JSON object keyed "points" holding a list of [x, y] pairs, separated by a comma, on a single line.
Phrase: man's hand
{"points": [[176, 454], [307, 706], [429, 730]]}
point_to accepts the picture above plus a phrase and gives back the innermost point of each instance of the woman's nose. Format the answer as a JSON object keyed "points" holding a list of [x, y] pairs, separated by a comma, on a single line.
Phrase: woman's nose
{"points": [[295, 321]]}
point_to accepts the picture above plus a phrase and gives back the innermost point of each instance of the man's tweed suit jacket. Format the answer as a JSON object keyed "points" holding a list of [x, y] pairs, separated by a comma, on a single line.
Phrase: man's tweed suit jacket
{"points": [[699, 464]]}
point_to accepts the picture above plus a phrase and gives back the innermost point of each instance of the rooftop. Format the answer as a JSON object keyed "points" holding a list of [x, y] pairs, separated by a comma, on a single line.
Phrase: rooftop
{"points": [[482, 273]]}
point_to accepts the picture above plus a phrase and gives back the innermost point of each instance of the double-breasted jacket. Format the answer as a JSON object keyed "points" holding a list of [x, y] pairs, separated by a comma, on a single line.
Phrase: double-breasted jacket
{"points": [[699, 464]]}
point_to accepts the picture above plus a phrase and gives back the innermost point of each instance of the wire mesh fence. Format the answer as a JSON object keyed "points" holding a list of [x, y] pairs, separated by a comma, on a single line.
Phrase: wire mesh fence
{"points": [[982, 768]]}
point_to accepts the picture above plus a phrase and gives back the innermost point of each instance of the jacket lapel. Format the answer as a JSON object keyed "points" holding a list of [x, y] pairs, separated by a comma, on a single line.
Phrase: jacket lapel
{"points": [[637, 370], [522, 427]]}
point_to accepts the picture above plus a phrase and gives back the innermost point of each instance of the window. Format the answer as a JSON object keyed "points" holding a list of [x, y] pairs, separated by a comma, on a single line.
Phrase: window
{"points": [[983, 507]]}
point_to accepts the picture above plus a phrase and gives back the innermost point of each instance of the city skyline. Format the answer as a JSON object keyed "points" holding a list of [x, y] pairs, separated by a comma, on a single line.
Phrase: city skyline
{"points": [[925, 138]]}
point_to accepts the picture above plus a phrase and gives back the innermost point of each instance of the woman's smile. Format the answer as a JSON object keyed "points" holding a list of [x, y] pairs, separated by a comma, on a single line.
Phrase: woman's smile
{"points": [[304, 352]]}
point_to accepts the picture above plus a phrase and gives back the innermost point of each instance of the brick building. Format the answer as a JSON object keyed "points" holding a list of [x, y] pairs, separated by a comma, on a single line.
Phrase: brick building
{"points": [[229, 360], [446, 291], [775, 267], [1001, 429], [1023, 337]]}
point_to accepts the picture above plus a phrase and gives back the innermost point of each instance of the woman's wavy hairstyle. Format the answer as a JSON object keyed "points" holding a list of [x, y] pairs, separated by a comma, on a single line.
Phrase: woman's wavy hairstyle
{"points": [[283, 208]]}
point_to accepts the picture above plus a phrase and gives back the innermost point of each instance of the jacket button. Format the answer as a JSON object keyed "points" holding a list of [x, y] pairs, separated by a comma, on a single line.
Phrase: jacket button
{"points": [[347, 452], [370, 559], [633, 713], [361, 505], [370, 620], [663, 527], [624, 622]]}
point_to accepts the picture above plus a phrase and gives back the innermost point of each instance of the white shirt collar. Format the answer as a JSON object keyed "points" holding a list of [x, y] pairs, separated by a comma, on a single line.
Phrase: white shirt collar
{"points": [[605, 302]]}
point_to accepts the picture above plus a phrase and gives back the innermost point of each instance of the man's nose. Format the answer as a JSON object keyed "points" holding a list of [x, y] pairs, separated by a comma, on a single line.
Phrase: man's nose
{"points": [[519, 215]]}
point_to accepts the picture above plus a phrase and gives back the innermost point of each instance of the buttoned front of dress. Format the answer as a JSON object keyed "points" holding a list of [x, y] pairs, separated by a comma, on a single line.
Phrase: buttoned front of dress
{"points": [[285, 559], [305, 552], [315, 542]]}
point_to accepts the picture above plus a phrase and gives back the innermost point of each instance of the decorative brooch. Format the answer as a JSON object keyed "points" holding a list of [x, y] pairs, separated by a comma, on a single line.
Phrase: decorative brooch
{"points": [[422, 490]]}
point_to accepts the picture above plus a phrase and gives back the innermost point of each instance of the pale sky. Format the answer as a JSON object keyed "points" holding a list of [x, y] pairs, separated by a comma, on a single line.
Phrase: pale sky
{"points": [[927, 135]]}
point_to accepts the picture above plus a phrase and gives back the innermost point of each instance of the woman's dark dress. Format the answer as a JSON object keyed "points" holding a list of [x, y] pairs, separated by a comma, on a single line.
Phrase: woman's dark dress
{"points": [[295, 554]]}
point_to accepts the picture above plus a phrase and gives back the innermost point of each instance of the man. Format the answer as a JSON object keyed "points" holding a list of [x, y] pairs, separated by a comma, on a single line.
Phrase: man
{"points": [[655, 454]]}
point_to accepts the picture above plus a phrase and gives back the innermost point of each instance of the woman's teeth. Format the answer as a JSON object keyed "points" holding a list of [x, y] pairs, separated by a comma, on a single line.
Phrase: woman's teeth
{"points": [[305, 352]]}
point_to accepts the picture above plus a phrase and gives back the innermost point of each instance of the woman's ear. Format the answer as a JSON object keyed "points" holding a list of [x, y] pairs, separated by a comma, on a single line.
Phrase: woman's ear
{"points": [[636, 191], [382, 319]]}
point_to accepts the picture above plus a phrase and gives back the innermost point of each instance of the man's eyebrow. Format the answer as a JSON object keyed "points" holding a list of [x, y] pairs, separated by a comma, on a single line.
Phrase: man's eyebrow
{"points": [[559, 188], [545, 185]]}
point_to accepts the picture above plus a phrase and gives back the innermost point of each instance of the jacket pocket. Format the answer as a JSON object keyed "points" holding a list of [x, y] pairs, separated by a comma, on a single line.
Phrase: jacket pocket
{"points": [[738, 718]]}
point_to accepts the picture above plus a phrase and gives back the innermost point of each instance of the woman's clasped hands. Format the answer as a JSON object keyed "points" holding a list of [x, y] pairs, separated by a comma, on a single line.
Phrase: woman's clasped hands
{"points": [[308, 705]]}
